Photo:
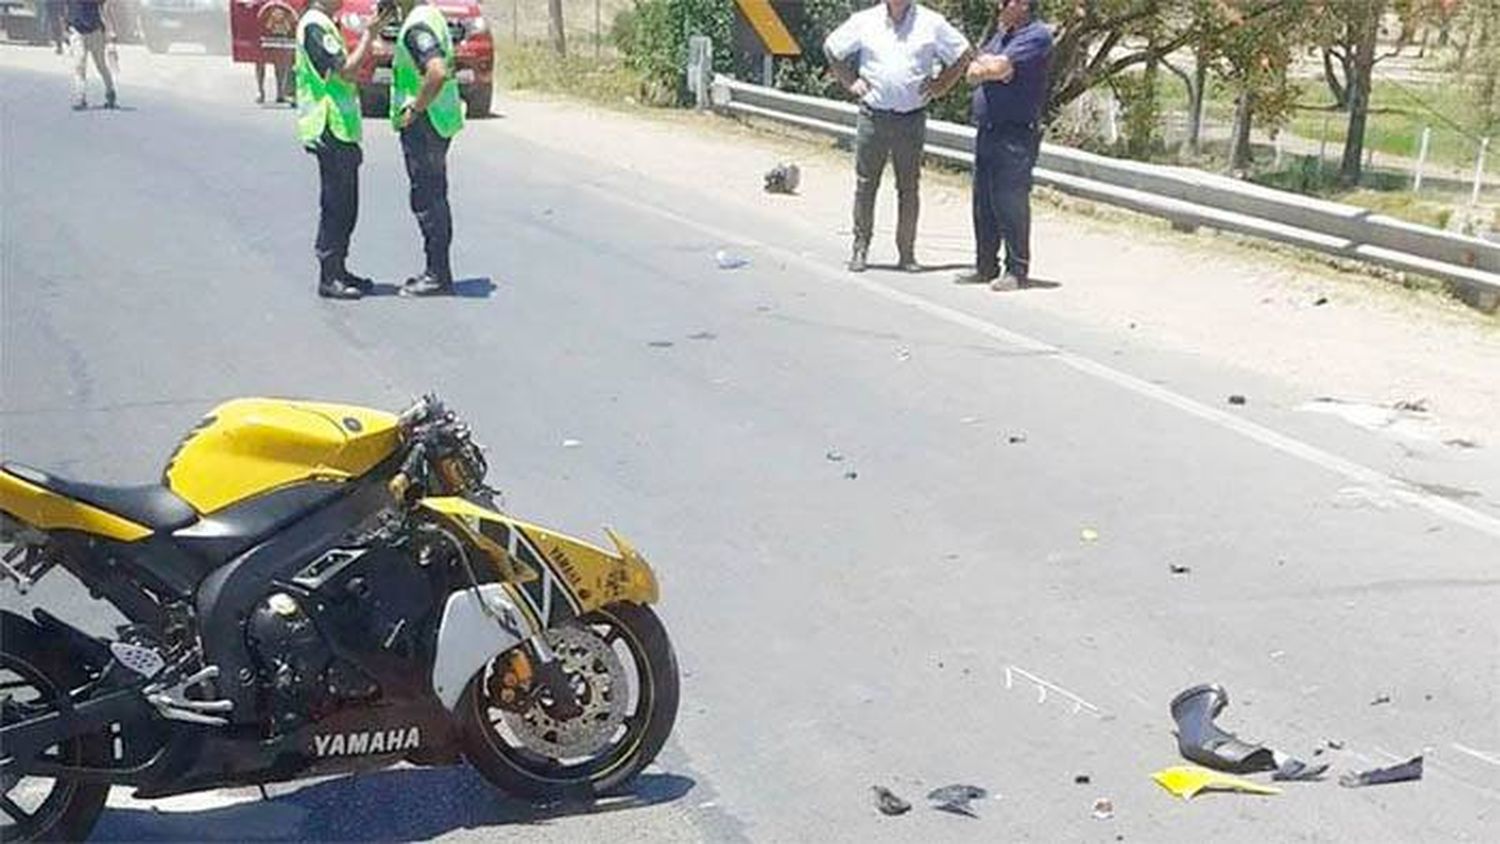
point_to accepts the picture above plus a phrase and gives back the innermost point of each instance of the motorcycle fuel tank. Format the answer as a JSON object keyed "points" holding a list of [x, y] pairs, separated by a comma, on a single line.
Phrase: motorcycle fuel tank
{"points": [[249, 446]]}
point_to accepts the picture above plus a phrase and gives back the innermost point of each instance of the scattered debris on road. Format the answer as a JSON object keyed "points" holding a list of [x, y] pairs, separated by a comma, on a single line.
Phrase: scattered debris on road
{"points": [[1411, 406], [1320, 301], [1082, 779], [1295, 770], [571, 443], [729, 261], [1089, 535], [1016, 439], [1187, 781], [661, 344], [783, 178], [1237, 399], [834, 455], [888, 803], [1334, 744], [703, 335], [1381, 699], [1200, 740], [1104, 809], [1179, 569], [1404, 772], [851, 475], [903, 354], [957, 798], [969, 420], [1461, 442]]}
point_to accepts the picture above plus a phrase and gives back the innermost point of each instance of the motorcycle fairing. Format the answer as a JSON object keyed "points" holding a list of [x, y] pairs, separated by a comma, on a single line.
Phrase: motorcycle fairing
{"points": [[478, 625], [42, 508], [585, 576], [250, 446]]}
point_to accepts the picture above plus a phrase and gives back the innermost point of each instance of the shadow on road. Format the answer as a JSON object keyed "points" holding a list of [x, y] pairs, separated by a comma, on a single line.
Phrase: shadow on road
{"points": [[393, 805], [464, 288]]}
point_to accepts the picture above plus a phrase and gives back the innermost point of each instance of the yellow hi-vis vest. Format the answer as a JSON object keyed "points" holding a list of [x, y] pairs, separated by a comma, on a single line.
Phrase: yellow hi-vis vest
{"points": [[331, 103], [446, 111]]}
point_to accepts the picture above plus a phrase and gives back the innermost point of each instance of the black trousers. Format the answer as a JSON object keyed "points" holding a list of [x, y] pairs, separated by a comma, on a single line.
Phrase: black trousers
{"points": [[427, 167], [1003, 160], [338, 202], [886, 136]]}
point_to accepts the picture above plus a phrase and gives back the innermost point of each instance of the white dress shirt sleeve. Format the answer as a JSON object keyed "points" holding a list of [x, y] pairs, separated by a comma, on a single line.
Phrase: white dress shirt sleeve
{"points": [[950, 42], [844, 41]]}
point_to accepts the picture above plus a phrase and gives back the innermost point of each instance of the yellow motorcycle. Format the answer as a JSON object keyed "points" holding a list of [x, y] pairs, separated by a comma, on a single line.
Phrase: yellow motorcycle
{"points": [[314, 589]]}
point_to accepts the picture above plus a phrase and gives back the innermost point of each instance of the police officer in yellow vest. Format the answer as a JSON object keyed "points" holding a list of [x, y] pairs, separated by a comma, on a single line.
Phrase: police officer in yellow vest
{"points": [[328, 122], [427, 111]]}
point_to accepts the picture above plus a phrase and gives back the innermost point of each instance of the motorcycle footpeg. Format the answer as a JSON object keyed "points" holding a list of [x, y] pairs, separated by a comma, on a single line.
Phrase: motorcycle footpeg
{"points": [[172, 702]]}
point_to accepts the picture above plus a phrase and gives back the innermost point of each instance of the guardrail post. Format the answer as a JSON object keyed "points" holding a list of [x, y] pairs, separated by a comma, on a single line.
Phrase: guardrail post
{"points": [[700, 68], [1422, 158], [1484, 148]]}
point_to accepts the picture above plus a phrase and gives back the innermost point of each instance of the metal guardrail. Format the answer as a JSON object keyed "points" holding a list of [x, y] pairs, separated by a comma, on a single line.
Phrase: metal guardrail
{"points": [[1185, 196]]}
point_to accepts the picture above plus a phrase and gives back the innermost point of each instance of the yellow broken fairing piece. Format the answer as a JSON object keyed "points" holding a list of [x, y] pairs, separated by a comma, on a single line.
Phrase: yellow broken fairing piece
{"points": [[1186, 781]]}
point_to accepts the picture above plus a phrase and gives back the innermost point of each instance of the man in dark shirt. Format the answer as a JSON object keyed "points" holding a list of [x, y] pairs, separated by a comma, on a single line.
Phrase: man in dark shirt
{"points": [[1010, 79], [92, 26], [329, 126]]}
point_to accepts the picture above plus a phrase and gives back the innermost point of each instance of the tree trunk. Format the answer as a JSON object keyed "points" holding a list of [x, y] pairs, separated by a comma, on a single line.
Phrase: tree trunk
{"points": [[555, 27], [1196, 93], [1362, 70], [1339, 90], [1241, 157]]}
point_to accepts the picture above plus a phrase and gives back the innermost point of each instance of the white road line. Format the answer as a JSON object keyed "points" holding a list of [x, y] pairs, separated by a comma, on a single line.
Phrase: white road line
{"points": [[1480, 755], [1395, 488]]}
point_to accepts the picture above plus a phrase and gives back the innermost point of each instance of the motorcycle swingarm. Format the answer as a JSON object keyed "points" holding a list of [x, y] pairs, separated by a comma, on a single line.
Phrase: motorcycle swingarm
{"points": [[24, 740]]}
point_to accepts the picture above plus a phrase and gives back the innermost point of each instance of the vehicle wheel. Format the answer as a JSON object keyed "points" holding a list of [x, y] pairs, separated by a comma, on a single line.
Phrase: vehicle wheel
{"points": [[34, 682], [375, 101], [625, 676], [479, 97]]}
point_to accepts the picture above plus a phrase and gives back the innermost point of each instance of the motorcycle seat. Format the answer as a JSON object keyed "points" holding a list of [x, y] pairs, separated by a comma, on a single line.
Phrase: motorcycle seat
{"points": [[153, 505]]}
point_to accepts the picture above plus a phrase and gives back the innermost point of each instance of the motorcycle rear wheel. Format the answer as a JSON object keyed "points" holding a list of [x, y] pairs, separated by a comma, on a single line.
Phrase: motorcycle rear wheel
{"points": [[637, 636], [33, 682]]}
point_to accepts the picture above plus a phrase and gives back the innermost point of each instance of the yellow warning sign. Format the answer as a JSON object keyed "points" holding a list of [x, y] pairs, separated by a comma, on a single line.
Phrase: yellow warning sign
{"points": [[767, 24]]}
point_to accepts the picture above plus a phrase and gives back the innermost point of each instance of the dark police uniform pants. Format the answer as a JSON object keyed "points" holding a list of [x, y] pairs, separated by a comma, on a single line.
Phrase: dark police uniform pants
{"points": [[338, 201], [427, 167], [897, 136], [1003, 159]]}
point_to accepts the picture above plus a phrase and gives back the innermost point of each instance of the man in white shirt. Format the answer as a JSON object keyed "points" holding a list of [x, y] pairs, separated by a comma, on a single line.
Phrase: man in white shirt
{"points": [[886, 57]]}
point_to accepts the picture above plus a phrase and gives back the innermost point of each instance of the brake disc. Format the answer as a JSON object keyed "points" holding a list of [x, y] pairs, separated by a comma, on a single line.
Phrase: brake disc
{"points": [[601, 687]]}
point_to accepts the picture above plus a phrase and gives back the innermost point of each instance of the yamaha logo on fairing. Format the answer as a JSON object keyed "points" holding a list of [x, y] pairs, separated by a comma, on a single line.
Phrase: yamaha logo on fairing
{"points": [[368, 743]]}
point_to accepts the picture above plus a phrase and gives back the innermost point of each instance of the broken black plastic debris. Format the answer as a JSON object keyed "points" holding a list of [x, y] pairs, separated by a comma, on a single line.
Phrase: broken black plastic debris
{"points": [[888, 803], [783, 178], [1320, 301], [1201, 741], [957, 798], [1295, 770], [851, 475], [1381, 699], [1014, 439], [1404, 772], [1237, 399], [1179, 569], [1082, 779]]}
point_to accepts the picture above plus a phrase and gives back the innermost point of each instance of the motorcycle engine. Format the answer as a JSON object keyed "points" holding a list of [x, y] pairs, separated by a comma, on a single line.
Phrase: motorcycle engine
{"points": [[350, 629]]}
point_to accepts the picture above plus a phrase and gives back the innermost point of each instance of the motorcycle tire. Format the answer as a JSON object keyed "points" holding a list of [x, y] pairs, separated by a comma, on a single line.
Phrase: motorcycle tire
{"points": [[525, 773], [34, 678]]}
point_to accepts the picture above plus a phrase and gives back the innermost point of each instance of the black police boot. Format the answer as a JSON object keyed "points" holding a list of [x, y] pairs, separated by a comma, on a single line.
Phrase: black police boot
{"points": [[427, 284], [109, 100], [364, 285], [334, 287]]}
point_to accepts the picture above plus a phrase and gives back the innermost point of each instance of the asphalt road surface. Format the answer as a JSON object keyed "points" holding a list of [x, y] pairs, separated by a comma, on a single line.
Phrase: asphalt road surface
{"points": [[905, 536]]}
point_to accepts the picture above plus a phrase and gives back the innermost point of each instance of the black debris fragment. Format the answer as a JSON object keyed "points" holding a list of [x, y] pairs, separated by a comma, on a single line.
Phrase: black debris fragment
{"points": [[1295, 770], [1334, 744], [1237, 399], [1380, 699], [1404, 772], [851, 475], [957, 799], [1082, 779], [1320, 301], [1200, 740], [888, 803], [1179, 569], [1015, 439], [660, 344]]}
